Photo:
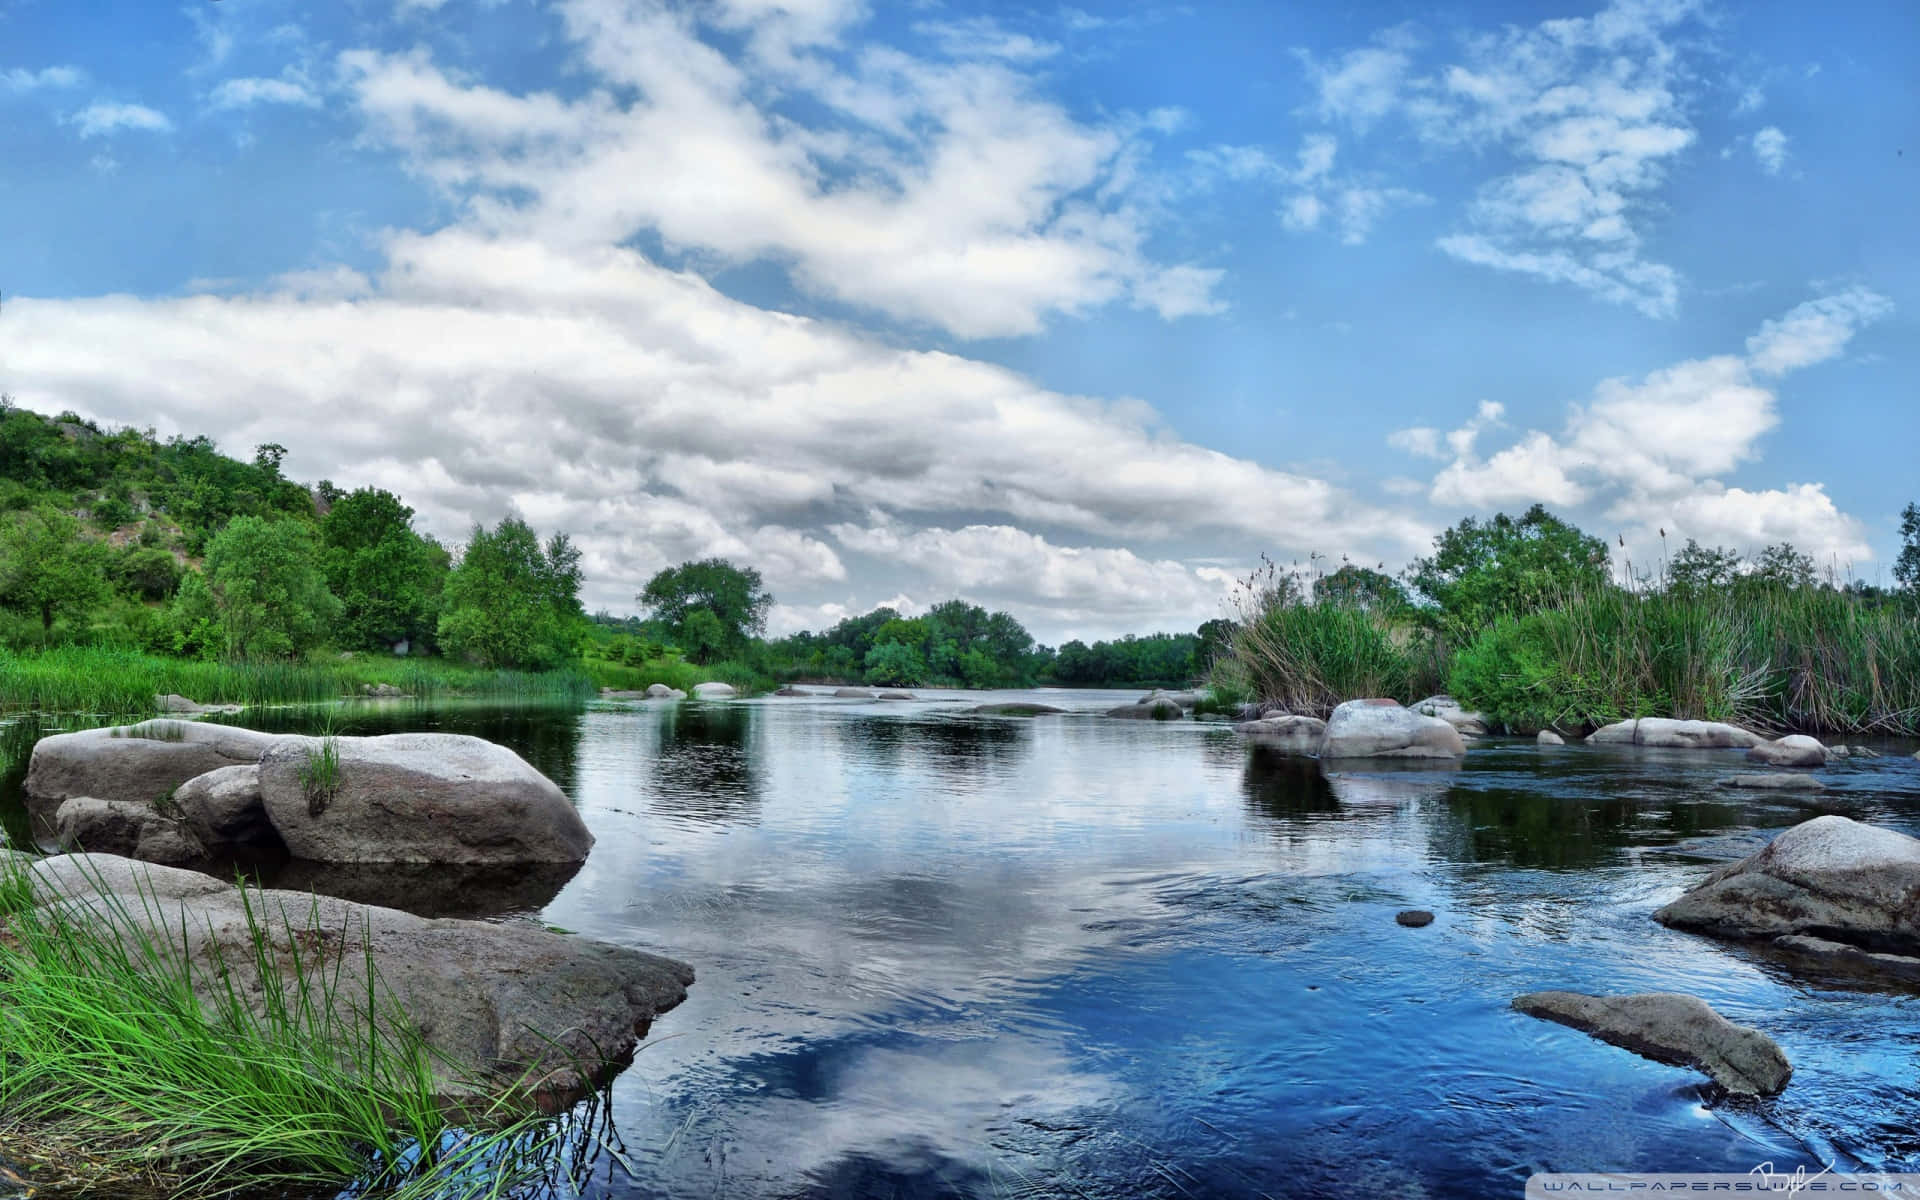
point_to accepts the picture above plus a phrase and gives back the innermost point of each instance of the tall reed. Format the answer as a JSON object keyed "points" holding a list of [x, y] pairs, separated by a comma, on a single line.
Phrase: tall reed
{"points": [[1309, 656]]}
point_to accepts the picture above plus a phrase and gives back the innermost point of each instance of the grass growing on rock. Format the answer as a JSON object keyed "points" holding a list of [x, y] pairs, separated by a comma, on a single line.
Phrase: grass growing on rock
{"points": [[108, 1054]]}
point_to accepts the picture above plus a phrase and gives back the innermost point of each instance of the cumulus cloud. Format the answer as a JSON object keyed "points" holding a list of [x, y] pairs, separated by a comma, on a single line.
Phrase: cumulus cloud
{"points": [[937, 191], [1651, 451], [594, 390], [20, 79], [1352, 203], [1770, 149], [103, 117], [248, 92], [1584, 116]]}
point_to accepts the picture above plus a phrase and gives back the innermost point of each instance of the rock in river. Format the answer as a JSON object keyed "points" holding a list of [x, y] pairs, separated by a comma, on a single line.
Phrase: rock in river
{"points": [[714, 691], [1664, 733], [141, 763], [1549, 738], [1291, 735], [1671, 1028], [498, 1003], [1470, 724], [1774, 782], [1157, 709], [1795, 750], [418, 797], [852, 693], [1016, 710], [1383, 729], [224, 809], [1829, 877], [125, 827]]}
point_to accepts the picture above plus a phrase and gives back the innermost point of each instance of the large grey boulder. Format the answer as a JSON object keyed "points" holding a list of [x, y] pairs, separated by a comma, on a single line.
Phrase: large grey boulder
{"points": [[1383, 729], [1548, 737], [1671, 1028], [1185, 699], [660, 691], [897, 696], [1470, 724], [1286, 734], [1829, 877], [417, 797], [142, 763], [1852, 959], [508, 1009], [225, 809], [1158, 709], [714, 691], [1665, 733], [1795, 750], [125, 827]]}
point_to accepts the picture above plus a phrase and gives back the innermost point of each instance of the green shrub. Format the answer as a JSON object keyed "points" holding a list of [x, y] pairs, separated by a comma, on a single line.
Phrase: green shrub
{"points": [[1310, 657]]}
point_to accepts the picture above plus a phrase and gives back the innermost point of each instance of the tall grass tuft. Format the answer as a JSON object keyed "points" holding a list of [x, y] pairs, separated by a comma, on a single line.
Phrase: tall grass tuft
{"points": [[107, 1047], [1311, 656]]}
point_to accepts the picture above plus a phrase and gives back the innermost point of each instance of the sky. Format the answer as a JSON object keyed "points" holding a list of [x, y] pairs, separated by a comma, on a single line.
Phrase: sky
{"points": [[1076, 311]]}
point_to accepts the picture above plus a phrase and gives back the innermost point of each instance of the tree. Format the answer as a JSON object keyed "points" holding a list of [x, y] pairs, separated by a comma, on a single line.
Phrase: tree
{"points": [[1906, 568], [895, 664], [1782, 566], [733, 596], [388, 578], [1480, 571], [48, 569], [1699, 568], [261, 593], [1360, 587], [509, 603]]}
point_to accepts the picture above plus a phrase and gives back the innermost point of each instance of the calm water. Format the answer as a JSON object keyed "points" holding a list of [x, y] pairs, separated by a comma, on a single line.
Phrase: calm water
{"points": [[946, 955]]}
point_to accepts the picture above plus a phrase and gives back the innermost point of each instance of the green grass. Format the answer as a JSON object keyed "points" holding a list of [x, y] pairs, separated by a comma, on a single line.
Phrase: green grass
{"points": [[111, 680], [108, 1055], [674, 672], [1311, 656], [1807, 659]]}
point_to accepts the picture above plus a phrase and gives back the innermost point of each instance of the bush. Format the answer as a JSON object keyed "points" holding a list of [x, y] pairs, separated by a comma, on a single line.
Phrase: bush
{"points": [[1310, 657]]}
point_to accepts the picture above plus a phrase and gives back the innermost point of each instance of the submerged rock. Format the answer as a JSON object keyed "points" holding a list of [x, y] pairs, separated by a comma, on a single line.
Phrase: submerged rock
{"points": [[1841, 956], [1548, 737], [1829, 877], [1298, 736], [1160, 709], [1672, 1028], [1470, 724], [1795, 750], [1383, 729], [896, 696], [852, 693], [790, 690], [417, 797], [1016, 710], [714, 691], [1774, 783], [141, 763], [509, 1009], [1413, 918], [1665, 733]]}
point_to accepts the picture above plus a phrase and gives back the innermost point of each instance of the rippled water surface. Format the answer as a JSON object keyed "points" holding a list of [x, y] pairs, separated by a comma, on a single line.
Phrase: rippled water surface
{"points": [[949, 955]]}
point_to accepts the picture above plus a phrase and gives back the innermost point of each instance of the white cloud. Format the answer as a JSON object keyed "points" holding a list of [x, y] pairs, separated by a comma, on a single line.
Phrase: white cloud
{"points": [[1770, 149], [935, 191], [982, 37], [1588, 114], [103, 117], [1652, 451], [19, 79], [658, 420], [246, 92]]}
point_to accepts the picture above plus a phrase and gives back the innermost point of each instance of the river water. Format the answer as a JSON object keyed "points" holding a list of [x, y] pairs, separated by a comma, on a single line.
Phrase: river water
{"points": [[944, 955]]}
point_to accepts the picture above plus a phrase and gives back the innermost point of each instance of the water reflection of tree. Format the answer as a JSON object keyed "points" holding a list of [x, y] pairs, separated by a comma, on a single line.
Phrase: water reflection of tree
{"points": [[1280, 787], [1547, 827], [706, 765], [964, 752]]}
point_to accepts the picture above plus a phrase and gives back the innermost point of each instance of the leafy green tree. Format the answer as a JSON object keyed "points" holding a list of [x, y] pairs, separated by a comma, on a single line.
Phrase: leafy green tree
{"points": [[1782, 566], [1483, 570], [734, 596], [48, 569], [702, 637], [509, 603], [1361, 587], [148, 572], [1906, 568], [1215, 637], [264, 594], [388, 577], [1702, 568], [895, 664]]}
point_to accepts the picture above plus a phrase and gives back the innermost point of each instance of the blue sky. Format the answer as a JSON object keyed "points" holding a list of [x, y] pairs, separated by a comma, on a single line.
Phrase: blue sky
{"points": [[1071, 310]]}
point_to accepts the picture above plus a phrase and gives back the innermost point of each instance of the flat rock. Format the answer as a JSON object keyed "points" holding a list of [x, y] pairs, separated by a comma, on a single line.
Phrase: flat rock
{"points": [[142, 763], [896, 696], [1794, 750], [1298, 736], [1470, 724], [175, 703], [1666, 733], [1850, 958], [1185, 699], [125, 827], [509, 1008], [1383, 729], [224, 809], [1829, 877], [419, 797], [1161, 709], [852, 693], [1016, 710], [1774, 783], [1413, 918], [1548, 737], [1671, 1028]]}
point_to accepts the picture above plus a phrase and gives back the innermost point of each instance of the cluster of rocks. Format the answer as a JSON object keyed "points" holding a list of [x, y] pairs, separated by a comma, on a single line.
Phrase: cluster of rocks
{"points": [[1362, 729], [182, 792], [660, 691]]}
